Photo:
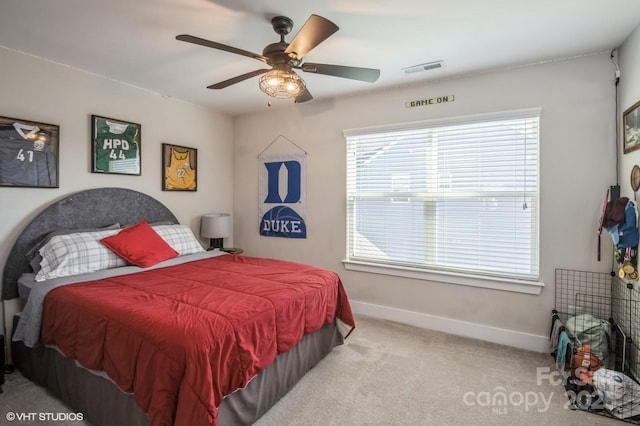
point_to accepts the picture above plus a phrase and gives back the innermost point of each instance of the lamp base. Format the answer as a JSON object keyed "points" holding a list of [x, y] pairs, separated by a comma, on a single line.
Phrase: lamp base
{"points": [[215, 243]]}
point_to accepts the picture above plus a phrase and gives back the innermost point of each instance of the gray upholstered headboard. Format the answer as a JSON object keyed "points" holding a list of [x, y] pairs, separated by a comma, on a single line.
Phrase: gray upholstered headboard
{"points": [[93, 208]]}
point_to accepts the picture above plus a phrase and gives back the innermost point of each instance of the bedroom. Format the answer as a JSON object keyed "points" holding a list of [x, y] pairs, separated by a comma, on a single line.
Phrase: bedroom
{"points": [[577, 164]]}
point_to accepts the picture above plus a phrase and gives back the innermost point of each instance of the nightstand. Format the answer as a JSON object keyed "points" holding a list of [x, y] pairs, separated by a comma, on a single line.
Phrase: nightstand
{"points": [[231, 250]]}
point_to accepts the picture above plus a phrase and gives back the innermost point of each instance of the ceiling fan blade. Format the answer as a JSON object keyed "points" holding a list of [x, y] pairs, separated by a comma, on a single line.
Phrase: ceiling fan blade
{"points": [[237, 79], [363, 74], [304, 96], [316, 30], [220, 46]]}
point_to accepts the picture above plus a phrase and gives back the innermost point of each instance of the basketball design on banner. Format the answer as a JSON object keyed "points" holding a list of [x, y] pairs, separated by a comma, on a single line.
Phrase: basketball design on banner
{"points": [[282, 197]]}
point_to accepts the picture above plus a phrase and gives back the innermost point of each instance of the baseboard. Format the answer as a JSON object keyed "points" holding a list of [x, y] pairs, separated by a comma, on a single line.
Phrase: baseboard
{"points": [[501, 336]]}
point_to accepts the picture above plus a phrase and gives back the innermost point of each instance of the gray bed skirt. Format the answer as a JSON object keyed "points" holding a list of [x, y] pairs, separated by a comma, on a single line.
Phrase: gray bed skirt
{"points": [[103, 403]]}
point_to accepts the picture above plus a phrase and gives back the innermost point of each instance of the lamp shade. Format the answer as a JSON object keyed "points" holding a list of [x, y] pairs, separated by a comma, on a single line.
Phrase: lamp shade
{"points": [[215, 225]]}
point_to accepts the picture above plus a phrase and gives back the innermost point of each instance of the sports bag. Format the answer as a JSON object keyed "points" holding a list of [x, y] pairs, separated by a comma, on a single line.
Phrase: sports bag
{"points": [[585, 329]]}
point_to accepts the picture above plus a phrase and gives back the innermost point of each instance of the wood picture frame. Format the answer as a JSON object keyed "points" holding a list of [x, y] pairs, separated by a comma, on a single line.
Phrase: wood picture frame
{"points": [[631, 128], [179, 168], [635, 178], [115, 146], [29, 153]]}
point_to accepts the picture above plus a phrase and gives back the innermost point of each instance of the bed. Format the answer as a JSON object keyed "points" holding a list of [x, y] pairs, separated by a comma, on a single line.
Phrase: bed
{"points": [[195, 338]]}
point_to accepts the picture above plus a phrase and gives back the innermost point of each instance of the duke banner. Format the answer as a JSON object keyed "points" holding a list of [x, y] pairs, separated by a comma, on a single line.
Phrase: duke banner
{"points": [[282, 195]]}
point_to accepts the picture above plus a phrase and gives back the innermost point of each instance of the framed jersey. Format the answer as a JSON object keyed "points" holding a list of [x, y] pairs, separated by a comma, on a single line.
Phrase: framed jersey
{"points": [[115, 146], [179, 168], [28, 153]]}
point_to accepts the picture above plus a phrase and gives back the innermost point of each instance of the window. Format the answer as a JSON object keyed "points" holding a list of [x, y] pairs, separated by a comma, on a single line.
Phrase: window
{"points": [[458, 196]]}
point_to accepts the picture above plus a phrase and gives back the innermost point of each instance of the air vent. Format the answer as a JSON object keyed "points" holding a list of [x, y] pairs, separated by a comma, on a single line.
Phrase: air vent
{"points": [[423, 67]]}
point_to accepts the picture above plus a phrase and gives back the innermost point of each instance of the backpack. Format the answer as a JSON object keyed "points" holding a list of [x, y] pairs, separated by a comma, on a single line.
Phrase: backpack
{"points": [[585, 329]]}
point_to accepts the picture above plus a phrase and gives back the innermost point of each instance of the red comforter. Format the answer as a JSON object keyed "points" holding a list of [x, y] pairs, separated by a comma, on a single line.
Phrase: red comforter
{"points": [[181, 338]]}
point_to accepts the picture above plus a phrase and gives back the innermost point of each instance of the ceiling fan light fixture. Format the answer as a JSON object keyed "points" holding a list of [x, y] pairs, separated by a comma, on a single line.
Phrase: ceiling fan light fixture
{"points": [[280, 81], [281, 84]]}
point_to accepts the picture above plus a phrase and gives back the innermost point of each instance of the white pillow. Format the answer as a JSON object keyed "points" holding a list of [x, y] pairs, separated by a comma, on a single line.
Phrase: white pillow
{"points": [[180, 238], [33, 255], [78, 253]]}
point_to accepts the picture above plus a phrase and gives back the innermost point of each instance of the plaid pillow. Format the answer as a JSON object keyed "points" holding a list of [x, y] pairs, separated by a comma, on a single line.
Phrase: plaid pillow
{"points": [[78, 253], [33, 255], [180, 238]]}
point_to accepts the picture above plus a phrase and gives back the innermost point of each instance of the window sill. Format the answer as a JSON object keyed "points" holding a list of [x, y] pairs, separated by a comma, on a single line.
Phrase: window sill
{"points": [[493, 283]]}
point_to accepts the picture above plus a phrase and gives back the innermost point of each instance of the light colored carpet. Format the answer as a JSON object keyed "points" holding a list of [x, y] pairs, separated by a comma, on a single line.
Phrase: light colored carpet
{"points": [[25, 403], [393, 374]]}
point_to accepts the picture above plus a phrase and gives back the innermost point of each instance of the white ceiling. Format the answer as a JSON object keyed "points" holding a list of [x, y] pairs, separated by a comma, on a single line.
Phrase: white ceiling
{"points": [[133, 41]]}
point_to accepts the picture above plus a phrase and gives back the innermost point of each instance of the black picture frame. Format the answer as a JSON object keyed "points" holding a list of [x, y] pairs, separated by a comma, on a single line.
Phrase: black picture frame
{"points": [[179, 168], [29, 153], [631, 128], [116, 146]]}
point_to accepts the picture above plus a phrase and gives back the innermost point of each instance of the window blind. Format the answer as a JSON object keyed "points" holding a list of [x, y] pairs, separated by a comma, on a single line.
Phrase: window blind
{"points": [[459, 196]]}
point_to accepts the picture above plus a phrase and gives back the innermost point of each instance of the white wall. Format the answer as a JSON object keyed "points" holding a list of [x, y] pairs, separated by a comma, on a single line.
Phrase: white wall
{"points": [[577, 157], [576, 166], [629, 95], [38, 90]]}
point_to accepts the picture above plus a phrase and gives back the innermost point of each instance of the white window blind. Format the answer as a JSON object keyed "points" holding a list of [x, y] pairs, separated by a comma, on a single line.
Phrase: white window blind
{"points": [[458, 196]]}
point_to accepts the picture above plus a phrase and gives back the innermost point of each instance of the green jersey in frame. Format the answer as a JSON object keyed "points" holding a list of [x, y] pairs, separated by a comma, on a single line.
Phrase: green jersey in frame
{"points": [[116, 148]]}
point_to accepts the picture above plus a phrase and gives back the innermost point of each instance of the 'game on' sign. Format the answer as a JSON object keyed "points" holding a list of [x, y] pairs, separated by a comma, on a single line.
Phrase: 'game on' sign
{"points": [[430, 101]]}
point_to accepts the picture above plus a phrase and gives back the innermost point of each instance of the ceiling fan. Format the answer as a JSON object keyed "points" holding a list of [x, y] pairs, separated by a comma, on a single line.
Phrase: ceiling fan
{"points": [[280, 80]]}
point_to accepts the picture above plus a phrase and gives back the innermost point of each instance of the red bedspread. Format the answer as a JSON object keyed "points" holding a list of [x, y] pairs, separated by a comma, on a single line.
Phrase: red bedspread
{"points": [[181, 338]]}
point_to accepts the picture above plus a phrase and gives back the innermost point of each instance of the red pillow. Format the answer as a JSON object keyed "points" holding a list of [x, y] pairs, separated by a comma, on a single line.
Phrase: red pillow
{"points": [[140, 245]]}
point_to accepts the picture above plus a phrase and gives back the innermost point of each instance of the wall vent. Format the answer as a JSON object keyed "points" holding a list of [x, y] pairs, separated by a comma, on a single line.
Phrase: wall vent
{"points": [[423, 67]]}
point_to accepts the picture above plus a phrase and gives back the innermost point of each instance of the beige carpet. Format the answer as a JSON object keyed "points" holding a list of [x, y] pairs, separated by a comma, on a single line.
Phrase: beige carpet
{"points": [[393, 374], [23, 403]]}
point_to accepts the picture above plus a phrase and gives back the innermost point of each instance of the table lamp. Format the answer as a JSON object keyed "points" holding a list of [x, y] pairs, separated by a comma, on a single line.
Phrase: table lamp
{"points": [[215, 226]]}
